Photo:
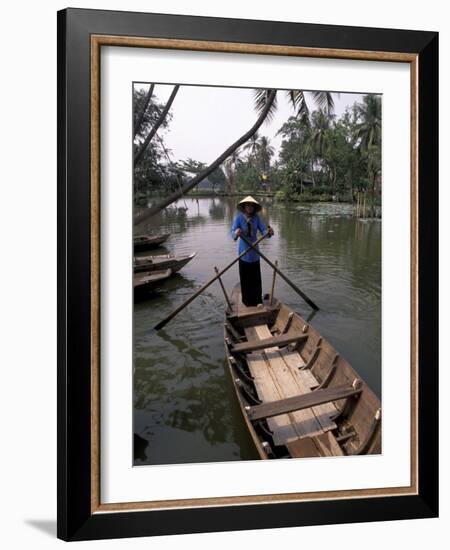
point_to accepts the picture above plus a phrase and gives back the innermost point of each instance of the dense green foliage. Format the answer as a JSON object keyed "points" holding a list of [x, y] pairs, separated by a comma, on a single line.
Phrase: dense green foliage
{"points": [[321, 157], [154, 172]]}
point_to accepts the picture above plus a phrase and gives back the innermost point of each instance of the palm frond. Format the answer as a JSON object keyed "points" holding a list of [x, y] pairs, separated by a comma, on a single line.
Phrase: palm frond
{"points": [[260, 98], [252, 143], [324, 100], [298, 101]]}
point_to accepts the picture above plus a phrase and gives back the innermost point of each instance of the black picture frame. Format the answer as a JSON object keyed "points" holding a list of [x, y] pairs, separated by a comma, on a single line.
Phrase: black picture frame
{"points": [[75, 518]]}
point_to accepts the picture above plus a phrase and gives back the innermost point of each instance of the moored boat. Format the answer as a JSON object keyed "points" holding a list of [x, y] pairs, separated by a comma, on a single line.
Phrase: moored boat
{"points": [[144, 281], [157, 263], [149, 242], [298, 396]]}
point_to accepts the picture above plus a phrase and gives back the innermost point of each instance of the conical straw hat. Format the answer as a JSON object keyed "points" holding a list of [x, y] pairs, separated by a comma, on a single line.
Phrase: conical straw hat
{"points": [[250, 200]]}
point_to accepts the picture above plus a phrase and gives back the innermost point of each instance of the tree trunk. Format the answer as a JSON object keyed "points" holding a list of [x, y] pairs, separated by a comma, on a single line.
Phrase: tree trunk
{"points": [[312, 173], [138, 155], [204, 173], [232, 174], [373, 195], [144, 109]]}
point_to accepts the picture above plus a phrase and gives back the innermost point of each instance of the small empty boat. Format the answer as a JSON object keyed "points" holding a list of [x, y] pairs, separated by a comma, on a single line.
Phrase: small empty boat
{"points": [[145, 281], [157, 263], [298, 396], [149, 242]]}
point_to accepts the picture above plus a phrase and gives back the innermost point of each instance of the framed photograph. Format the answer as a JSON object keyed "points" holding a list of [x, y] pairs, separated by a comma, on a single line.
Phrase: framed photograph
{"points": [[247, 257]]}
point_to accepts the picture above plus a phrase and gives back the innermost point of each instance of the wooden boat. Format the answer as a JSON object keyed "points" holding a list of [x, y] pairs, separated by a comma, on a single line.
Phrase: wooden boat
{"points": [[148, 242], [147, 280], [298, 396], [165, 261]]}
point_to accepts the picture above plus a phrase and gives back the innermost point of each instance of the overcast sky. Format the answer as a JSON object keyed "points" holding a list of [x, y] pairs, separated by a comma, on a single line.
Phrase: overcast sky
{"points": [[206, 120]]}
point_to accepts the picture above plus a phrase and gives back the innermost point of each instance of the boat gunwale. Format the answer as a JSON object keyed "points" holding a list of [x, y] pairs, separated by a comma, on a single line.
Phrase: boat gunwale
{"points": [[165, 274], [140, 265], [254, 436], [348, 371]]}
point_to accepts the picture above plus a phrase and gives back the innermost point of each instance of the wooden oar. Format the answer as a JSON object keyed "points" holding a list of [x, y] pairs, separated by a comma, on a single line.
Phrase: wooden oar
{"points": [[283, 276], [175, 312]]}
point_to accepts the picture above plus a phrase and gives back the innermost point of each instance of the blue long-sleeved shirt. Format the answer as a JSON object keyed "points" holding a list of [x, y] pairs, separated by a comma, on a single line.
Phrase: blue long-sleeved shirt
{"points": [[256, 224]]}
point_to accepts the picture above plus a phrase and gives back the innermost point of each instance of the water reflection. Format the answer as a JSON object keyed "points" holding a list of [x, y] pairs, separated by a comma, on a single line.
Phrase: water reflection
{"points": [[184, 406]]}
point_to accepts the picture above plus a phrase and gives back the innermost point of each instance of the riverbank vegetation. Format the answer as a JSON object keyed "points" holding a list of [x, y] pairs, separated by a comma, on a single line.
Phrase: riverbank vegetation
{"points": [[322, 157]]}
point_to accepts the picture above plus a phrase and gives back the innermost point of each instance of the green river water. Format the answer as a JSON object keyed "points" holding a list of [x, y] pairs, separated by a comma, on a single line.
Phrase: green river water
{"points": [[185, 409]]}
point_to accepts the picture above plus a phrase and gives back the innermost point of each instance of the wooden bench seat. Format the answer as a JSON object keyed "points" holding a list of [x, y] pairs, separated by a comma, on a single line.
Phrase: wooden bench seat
{"points": [[274, 341], [276, 374], [299, 402], [249, 316]]}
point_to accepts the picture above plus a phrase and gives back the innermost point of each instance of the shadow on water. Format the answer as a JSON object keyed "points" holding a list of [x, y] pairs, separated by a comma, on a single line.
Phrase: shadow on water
{"points": [[185, 409]]}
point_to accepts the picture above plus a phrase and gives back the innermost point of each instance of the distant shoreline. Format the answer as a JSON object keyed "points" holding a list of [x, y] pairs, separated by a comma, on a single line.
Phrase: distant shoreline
{"points": [[269, 195], [296, 202]]}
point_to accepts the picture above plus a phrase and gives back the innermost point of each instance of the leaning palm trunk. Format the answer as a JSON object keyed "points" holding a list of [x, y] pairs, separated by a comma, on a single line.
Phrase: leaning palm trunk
{"points": [[151, 134], [204, 173]]}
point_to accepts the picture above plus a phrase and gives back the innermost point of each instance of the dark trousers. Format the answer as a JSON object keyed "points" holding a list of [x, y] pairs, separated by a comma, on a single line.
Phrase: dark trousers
{"points": [[251, 288]]}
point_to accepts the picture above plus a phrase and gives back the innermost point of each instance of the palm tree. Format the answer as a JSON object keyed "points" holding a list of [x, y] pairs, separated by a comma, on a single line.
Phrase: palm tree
{"points": [[265, 101], [312, 144], [260, 149], [369, 135], [369, 129], [310, 155], [298, 132], [252, 145], [229, 171], [320, 136], [320, 139], [266, 152]]}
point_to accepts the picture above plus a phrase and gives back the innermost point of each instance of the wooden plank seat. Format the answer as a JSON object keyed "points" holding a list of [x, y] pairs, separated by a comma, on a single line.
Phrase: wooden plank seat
{"points": [[299, 402], [250, 316], [324, 412], [276, 374], [285, 366], [274, 341], [251, 311], [274, 380]]}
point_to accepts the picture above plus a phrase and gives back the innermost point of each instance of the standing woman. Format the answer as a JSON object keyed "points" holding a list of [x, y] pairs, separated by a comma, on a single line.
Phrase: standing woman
{"points": [[247, 223]]}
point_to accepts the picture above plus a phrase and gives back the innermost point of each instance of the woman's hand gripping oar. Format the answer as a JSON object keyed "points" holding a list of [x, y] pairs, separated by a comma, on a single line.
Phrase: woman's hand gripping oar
{"points": [[283, 276], [164, 322]]}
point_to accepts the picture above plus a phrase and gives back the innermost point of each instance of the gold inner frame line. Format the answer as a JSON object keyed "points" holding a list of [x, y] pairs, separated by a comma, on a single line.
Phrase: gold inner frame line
{"points": [[97, 41]]}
